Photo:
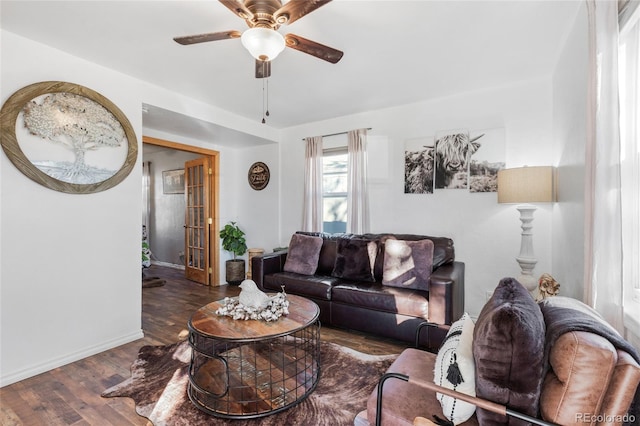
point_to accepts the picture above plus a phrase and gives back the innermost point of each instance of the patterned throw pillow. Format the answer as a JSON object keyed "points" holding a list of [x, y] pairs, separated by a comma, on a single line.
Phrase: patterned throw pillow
{"points": [[304, 251], [455, 369]]}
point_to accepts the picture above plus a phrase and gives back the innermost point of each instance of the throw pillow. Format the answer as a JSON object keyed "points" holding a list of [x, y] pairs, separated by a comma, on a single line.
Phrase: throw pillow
{"points": [[407, 263], [355, 259], [304, 251], [455, 369], [508, 349]]}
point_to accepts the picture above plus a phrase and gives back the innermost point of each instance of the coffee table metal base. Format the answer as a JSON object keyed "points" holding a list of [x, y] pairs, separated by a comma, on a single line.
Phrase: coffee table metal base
{"points": [[253, 378]]}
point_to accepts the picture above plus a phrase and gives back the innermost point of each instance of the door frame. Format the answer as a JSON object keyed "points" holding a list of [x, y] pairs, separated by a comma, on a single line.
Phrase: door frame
{"points": [[214, 160]]}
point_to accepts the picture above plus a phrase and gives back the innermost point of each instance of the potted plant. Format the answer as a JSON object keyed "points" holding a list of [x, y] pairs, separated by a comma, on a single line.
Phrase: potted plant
{"points": [[233, 240]]}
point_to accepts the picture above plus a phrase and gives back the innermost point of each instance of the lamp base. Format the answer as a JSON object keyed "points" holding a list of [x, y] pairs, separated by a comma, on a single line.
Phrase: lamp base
{"points": [[529, 282], [526, 278], [526, 258]]}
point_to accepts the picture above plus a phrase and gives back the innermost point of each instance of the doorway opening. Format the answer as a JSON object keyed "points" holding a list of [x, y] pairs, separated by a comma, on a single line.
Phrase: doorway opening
{"points": [[197, 225]]}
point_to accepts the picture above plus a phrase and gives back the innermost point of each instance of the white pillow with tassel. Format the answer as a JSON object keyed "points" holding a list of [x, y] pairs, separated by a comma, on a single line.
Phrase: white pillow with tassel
{"points": [[455, 369]]}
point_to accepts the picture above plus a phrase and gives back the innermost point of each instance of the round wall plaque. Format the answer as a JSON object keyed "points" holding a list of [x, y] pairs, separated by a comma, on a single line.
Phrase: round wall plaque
{"points": [[259, 176]]}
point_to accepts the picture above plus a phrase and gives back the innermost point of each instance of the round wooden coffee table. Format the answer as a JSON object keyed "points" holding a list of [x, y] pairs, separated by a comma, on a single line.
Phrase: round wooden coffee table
{"points": [[247, 369]]}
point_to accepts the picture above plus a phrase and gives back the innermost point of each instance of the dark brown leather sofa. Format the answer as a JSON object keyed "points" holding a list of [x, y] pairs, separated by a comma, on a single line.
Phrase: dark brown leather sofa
{"points": [[371, 306]]}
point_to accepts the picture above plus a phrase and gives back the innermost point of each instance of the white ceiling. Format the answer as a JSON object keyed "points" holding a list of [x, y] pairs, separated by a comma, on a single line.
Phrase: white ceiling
{"points": [[395, 52]]}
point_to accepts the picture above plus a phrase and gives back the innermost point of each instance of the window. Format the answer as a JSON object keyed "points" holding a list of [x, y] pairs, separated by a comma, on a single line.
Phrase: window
{"points": [[629, 91], [334, 190]]}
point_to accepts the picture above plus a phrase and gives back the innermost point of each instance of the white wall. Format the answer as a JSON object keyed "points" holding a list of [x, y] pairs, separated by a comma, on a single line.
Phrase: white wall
{"points": [[70, 269], [70, 275], [258, 212], [166, 219], [569, 135], [486, 234], [255, 212]]}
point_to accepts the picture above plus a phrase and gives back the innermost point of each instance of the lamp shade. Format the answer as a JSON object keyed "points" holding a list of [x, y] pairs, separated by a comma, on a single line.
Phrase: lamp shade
{"points": [[263, 43], [526, 185]]}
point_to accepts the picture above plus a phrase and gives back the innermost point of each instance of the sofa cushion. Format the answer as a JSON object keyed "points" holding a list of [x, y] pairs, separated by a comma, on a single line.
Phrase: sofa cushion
{"points": [[455, 369], [407, 263], [328, 254], [315, 286], [304, 251], [378, 297], [355, 259], [508, 350]]}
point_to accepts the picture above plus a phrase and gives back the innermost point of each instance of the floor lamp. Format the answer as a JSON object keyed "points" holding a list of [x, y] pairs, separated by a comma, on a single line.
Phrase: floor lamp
{"points": [[526, 185]]}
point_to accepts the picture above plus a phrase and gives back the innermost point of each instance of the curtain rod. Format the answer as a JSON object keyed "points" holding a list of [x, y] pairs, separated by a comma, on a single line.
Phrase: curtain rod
{"points": [[336, 134]]}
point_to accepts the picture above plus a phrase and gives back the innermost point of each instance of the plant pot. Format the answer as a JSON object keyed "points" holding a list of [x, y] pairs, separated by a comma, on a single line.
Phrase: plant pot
{"points": [[235, 271]]}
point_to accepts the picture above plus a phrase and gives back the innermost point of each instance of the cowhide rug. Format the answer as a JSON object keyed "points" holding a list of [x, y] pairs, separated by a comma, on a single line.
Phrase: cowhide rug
{"points": [[158, 386]]}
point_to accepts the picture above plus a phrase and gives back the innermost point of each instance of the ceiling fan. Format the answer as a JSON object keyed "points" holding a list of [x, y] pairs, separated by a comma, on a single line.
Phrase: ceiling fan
{"points": [[262, 39]]}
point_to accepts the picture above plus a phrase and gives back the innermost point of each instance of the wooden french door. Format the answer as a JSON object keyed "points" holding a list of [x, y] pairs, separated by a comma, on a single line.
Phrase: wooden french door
{"points": [[198, 220]]}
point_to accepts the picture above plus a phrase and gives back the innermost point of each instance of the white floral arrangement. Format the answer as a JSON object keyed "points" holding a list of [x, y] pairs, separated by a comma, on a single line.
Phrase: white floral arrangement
{"points": [[277, 306]]}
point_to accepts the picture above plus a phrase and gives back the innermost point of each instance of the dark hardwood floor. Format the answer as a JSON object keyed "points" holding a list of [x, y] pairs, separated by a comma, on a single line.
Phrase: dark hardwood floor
{"points": [[70, 395]]}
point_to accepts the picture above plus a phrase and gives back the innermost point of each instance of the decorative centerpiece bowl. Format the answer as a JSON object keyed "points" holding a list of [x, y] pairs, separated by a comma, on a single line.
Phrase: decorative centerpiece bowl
{"points": [[253, 304]]}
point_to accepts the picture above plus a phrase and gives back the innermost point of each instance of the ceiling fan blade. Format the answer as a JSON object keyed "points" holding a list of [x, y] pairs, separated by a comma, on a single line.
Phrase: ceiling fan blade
{"points": [[313, 48], [238, 7], [201, 38], [296, 9], [263, 69]]}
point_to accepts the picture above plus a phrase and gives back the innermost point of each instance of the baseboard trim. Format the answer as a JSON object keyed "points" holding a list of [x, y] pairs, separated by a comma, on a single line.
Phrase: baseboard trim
{"points": [[67, 359], [167, 264]]}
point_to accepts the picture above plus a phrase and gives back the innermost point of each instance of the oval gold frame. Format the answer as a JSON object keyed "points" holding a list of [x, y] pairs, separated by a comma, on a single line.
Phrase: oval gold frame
{"points": [[9, 114]]}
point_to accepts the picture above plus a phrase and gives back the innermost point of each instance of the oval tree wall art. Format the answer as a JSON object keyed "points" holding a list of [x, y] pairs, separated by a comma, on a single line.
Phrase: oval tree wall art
{"points": [[67, 137]]}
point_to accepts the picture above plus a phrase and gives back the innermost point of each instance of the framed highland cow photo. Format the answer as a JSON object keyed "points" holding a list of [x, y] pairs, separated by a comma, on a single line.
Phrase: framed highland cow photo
{"points": [[67, 137], [486, 162], [418, 166], [454, 149], [465, 159]]}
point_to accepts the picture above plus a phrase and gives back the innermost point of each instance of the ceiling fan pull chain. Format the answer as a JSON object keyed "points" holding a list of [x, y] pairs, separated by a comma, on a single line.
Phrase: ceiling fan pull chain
{"points": [[263, 119], [267, 97]]}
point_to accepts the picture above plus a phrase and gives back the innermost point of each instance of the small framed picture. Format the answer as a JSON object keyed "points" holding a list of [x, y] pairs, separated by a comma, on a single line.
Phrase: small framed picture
{"points": [[173, 181]]}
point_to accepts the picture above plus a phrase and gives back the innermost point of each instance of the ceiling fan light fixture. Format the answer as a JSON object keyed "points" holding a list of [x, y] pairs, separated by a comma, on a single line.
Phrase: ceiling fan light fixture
{"points": [[263, 43]]}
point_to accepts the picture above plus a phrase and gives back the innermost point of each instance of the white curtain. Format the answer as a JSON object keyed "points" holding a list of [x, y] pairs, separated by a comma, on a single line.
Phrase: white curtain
{"points": [[146, 193], [146, 213], [629, 61], [357, 198], [603, 235], [312, 209]]}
